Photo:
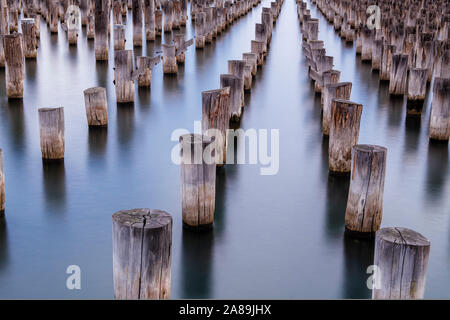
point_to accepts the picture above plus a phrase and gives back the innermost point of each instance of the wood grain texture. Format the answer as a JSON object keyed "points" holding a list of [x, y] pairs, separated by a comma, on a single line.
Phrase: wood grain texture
{"points": [[344, 133], [235, 84], [401, 255], [170, 65], [440, 110], [137, 23], [15, 65], [144, 69], [200, 39], [123, 79], [119, 37], [365, 199], [142, 252], [149, 18], [341, 90], [96, 105], [398, 74], [29, 38], [51, 126], [101, 30]]}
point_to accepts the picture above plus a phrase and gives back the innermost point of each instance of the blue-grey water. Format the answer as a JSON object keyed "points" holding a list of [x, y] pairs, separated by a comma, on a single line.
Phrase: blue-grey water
{"points": [[278, 236]]}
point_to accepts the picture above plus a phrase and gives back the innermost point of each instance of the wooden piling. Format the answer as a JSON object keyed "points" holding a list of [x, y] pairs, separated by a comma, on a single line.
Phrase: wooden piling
{"points": [[257, 47], [198, 181], [181, 46], [417, 86], [119, 37], [401, 256], [341, 90], [344, 133], [54, 15], [440, 110], [4, 29], [51, 125], [377, 54], [200, 38], [158, 22], [123, 76], [367, 38], [386, 61], [167, 7], [144, 69], [2, 184], [149, 17], [365, 198], [235, 84], [251, 59], [237, 68], [96, 106], [101, 30], [398, 74], [142, 253], [15, 65], [90, 28], [137, 23], [170, 65], [29, 38], [216, 115]]}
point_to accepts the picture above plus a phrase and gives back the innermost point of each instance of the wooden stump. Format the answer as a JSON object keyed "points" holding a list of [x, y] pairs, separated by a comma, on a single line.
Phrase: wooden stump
{"points": [[167, 7], [54, 15], [144, 69], [142, 253], [329, 77], [248, 79], [181, 46], [101, 30], [257, 47], [198, 181], [149, 15], [137, 23], [119, 37], [344, 133], [158, 22], [261, 33], [4, 29], [90, 29], [417, 86], [402, 257], [2, 184], [365, 198], [216, 115], [267, 20], [312, 29], [117, 12], [96, 106], [237, 68], [340, 90], [386, 61], [15, 65], [251, 59], [123, 76], [29, 38], [200, 38], [377, 54], [398, 75], [235, 84], [440, 110], [51, 125], [367, 38], [170, 65]]}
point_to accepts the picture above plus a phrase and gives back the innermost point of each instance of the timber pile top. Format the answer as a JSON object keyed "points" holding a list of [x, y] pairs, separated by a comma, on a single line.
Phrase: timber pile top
{"points": [[403, 236], [142, 218]]}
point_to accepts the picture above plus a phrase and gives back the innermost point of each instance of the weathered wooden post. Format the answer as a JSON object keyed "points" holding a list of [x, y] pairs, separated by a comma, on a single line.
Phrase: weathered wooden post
{"points": [[251, 59], [237, 68], [37, 24], [15, 65], [235, 84], [96, 106], [54, 15], [365, 198], [267, 20], [90, 28], [149, 17], [209, 24], [167, 7], [137, 23], [333, 91], [200, 38], [401, 256], [344, 133], [142, 254], [386, 61], [417, 86], [2, 184], [29, 38], [312, 29], [198, 181], [14, 13], [123, 76], [144, 69], [398, 76], [181, 46], [101, 30], [440, 110], [85, 7], [119, 37], [117, 12], [261, 33], [257, 47], [367, 38], [176, 22], [158, 22], [170, 65], [51, 125], [4, 29], [377, 54], [216, 115]]}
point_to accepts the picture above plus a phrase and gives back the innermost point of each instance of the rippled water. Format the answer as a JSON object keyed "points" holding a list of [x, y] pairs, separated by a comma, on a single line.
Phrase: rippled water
{"points": [[276, 236]]}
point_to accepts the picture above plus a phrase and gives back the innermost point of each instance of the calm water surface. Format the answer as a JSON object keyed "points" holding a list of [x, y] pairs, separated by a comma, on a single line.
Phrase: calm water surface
{"points": [[274, 237]]}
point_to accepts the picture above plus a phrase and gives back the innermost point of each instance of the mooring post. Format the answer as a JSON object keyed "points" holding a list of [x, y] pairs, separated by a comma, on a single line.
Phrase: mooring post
{"points": [[170, 65], [144, 69], [90, 28], [158, 22], [119, 37], [29, 38], [341, 90], [237, 68], [167, 7], [51, 126], [365, 198], [142, 253], [398, 76], [235, 84], [123, 76], [4, 30], [401, 256], [181, 46], [344, 133], [96, 106], [417, 87], [257, 47], [200, 38], [367, 38], [101, 30], [386, 61], [149, 17], [198, 181], [440, 110], [15, 65], [251, 59], [137, 23], [216, 115], [54, 15]]}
